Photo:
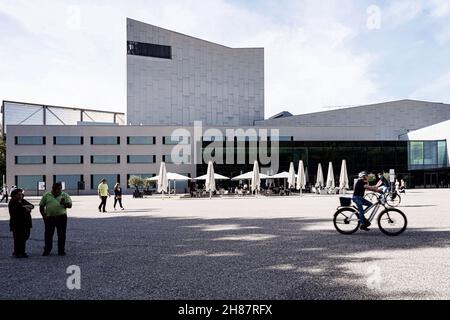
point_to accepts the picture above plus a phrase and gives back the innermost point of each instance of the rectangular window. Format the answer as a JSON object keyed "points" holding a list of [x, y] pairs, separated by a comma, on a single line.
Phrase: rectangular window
{"points": [[30, 140], [141, 140], [173, 140], [102, 159], [30, 159], [186, 159], [29, 182], [71, 181], [111, 180], [105, 140], [149, 50], [67, 159], [141, 159], [68, 140]]}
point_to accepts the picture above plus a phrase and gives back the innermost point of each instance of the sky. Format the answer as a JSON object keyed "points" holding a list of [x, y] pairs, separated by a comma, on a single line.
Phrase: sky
{"points": [[319, 54]]}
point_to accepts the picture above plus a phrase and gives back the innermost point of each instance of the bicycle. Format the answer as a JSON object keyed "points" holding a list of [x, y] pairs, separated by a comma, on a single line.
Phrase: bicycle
{"points": [[393, 198], [391, 221]]}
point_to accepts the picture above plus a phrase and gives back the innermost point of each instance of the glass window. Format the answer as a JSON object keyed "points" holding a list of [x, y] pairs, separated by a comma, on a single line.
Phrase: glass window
{"points": [[140, 140], [105, 140], [172, 140], [68, 140], [149, 50], [178, 160], [30, 140], [30, 159], [282, 138], [442, 154], [29, 182], [111, 180], [141, 159], [71, 181], [105, 159], [68, 159]]}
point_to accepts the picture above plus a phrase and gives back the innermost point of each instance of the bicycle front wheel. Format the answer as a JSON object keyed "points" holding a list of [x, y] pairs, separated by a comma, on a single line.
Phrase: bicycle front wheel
{"points": [[393, 199], [392, 222], [346, 220]]}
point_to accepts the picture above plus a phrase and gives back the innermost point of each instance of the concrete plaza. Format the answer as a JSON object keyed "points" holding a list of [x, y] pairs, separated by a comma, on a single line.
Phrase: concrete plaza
{"points": [[234, 248]]}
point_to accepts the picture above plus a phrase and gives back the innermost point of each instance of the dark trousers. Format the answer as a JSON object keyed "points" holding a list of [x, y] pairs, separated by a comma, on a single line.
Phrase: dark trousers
{"points": [[60, 224], [5, 196], [102, 206], [21, 235], [118, 200]]}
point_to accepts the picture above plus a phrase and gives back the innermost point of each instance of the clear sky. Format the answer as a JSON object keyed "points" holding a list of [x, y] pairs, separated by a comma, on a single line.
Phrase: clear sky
{"points": [[318, 53]]}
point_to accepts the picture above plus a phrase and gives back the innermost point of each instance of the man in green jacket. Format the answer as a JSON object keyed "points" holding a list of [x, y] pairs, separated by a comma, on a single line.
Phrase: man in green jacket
{"points": [[53, 208]]}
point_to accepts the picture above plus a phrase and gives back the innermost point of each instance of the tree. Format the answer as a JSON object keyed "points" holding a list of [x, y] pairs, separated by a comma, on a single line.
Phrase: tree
{"points": [[135, 181], [148, 184]]}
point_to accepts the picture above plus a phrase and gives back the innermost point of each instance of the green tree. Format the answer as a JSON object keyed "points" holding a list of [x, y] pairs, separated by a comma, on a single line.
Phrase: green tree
{"points": [[135, 181]]}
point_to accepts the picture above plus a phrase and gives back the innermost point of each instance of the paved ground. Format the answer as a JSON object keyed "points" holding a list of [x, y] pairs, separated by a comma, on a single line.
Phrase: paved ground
{"points": [[245, 248]]}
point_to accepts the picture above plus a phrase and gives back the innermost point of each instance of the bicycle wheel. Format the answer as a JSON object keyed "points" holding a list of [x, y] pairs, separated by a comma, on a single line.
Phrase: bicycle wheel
{"points": [[393, 199], [371, 196], [392, 222], [346, 220]]}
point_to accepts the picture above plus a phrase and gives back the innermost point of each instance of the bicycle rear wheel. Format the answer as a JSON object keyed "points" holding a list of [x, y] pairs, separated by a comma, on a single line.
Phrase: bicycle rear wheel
{"points": [[392, 222], [393, 199], [346, 220]]}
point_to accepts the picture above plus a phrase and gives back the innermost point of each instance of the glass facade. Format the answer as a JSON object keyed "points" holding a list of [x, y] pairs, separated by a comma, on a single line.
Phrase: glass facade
{"points": [[71, 181], [105, 159], [426, 155], [30, 159], [68, 140], [141, 140], [105, 140], [149, 50], [30, 140], [68, 159], [29, 182], [141, 159], [111, 180]]}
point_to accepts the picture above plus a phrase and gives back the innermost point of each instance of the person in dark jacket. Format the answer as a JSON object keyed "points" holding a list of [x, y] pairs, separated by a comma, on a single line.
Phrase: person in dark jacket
{"points": [[20, 222], [117, 195]]}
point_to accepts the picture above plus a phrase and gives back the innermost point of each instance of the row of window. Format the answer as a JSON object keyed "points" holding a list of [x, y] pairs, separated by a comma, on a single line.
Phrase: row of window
{"points": [[75, 181], [99, 140], [96, 159], [131, 140]]}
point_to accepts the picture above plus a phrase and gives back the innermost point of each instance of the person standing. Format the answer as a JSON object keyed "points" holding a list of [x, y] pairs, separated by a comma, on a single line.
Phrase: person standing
{"points": [[103, 193], [5, 194], [20, 222], [117, 195], [53, 208]]}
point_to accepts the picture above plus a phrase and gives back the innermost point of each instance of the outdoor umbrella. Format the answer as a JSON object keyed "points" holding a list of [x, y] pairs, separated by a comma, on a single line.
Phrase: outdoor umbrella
{"points": [[301, 177], [291, 178], [170, 176], [249, 175], [343, 178], [163, 182], [319, 180], [330, 177], [256, 179], [216, 177], [210, 184]]}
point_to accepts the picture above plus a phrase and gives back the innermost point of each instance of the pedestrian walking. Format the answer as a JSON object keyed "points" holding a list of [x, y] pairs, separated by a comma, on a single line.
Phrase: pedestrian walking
{"points": [[118, 195], [103, 193], [5, 194], [20, 222], [53, 208]]}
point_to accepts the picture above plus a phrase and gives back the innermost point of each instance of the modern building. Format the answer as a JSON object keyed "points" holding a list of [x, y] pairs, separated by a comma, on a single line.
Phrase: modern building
{"points": [[175, 80]]}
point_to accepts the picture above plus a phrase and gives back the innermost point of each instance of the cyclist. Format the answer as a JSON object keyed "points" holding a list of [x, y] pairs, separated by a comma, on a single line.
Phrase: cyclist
{"points": [[383, 184], [358, 198]]}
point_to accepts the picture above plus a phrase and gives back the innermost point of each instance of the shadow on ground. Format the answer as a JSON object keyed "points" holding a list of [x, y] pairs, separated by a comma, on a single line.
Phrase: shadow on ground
{"points": [[175, 258]]}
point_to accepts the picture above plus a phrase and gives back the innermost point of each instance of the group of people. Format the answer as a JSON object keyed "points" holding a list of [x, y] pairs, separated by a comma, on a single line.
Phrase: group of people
{"points": [[5, 193], [53, 208]]}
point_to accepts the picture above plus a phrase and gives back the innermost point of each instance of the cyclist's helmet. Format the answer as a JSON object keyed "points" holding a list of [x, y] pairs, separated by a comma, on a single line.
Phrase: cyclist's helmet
{"points": [[362, 174]]}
